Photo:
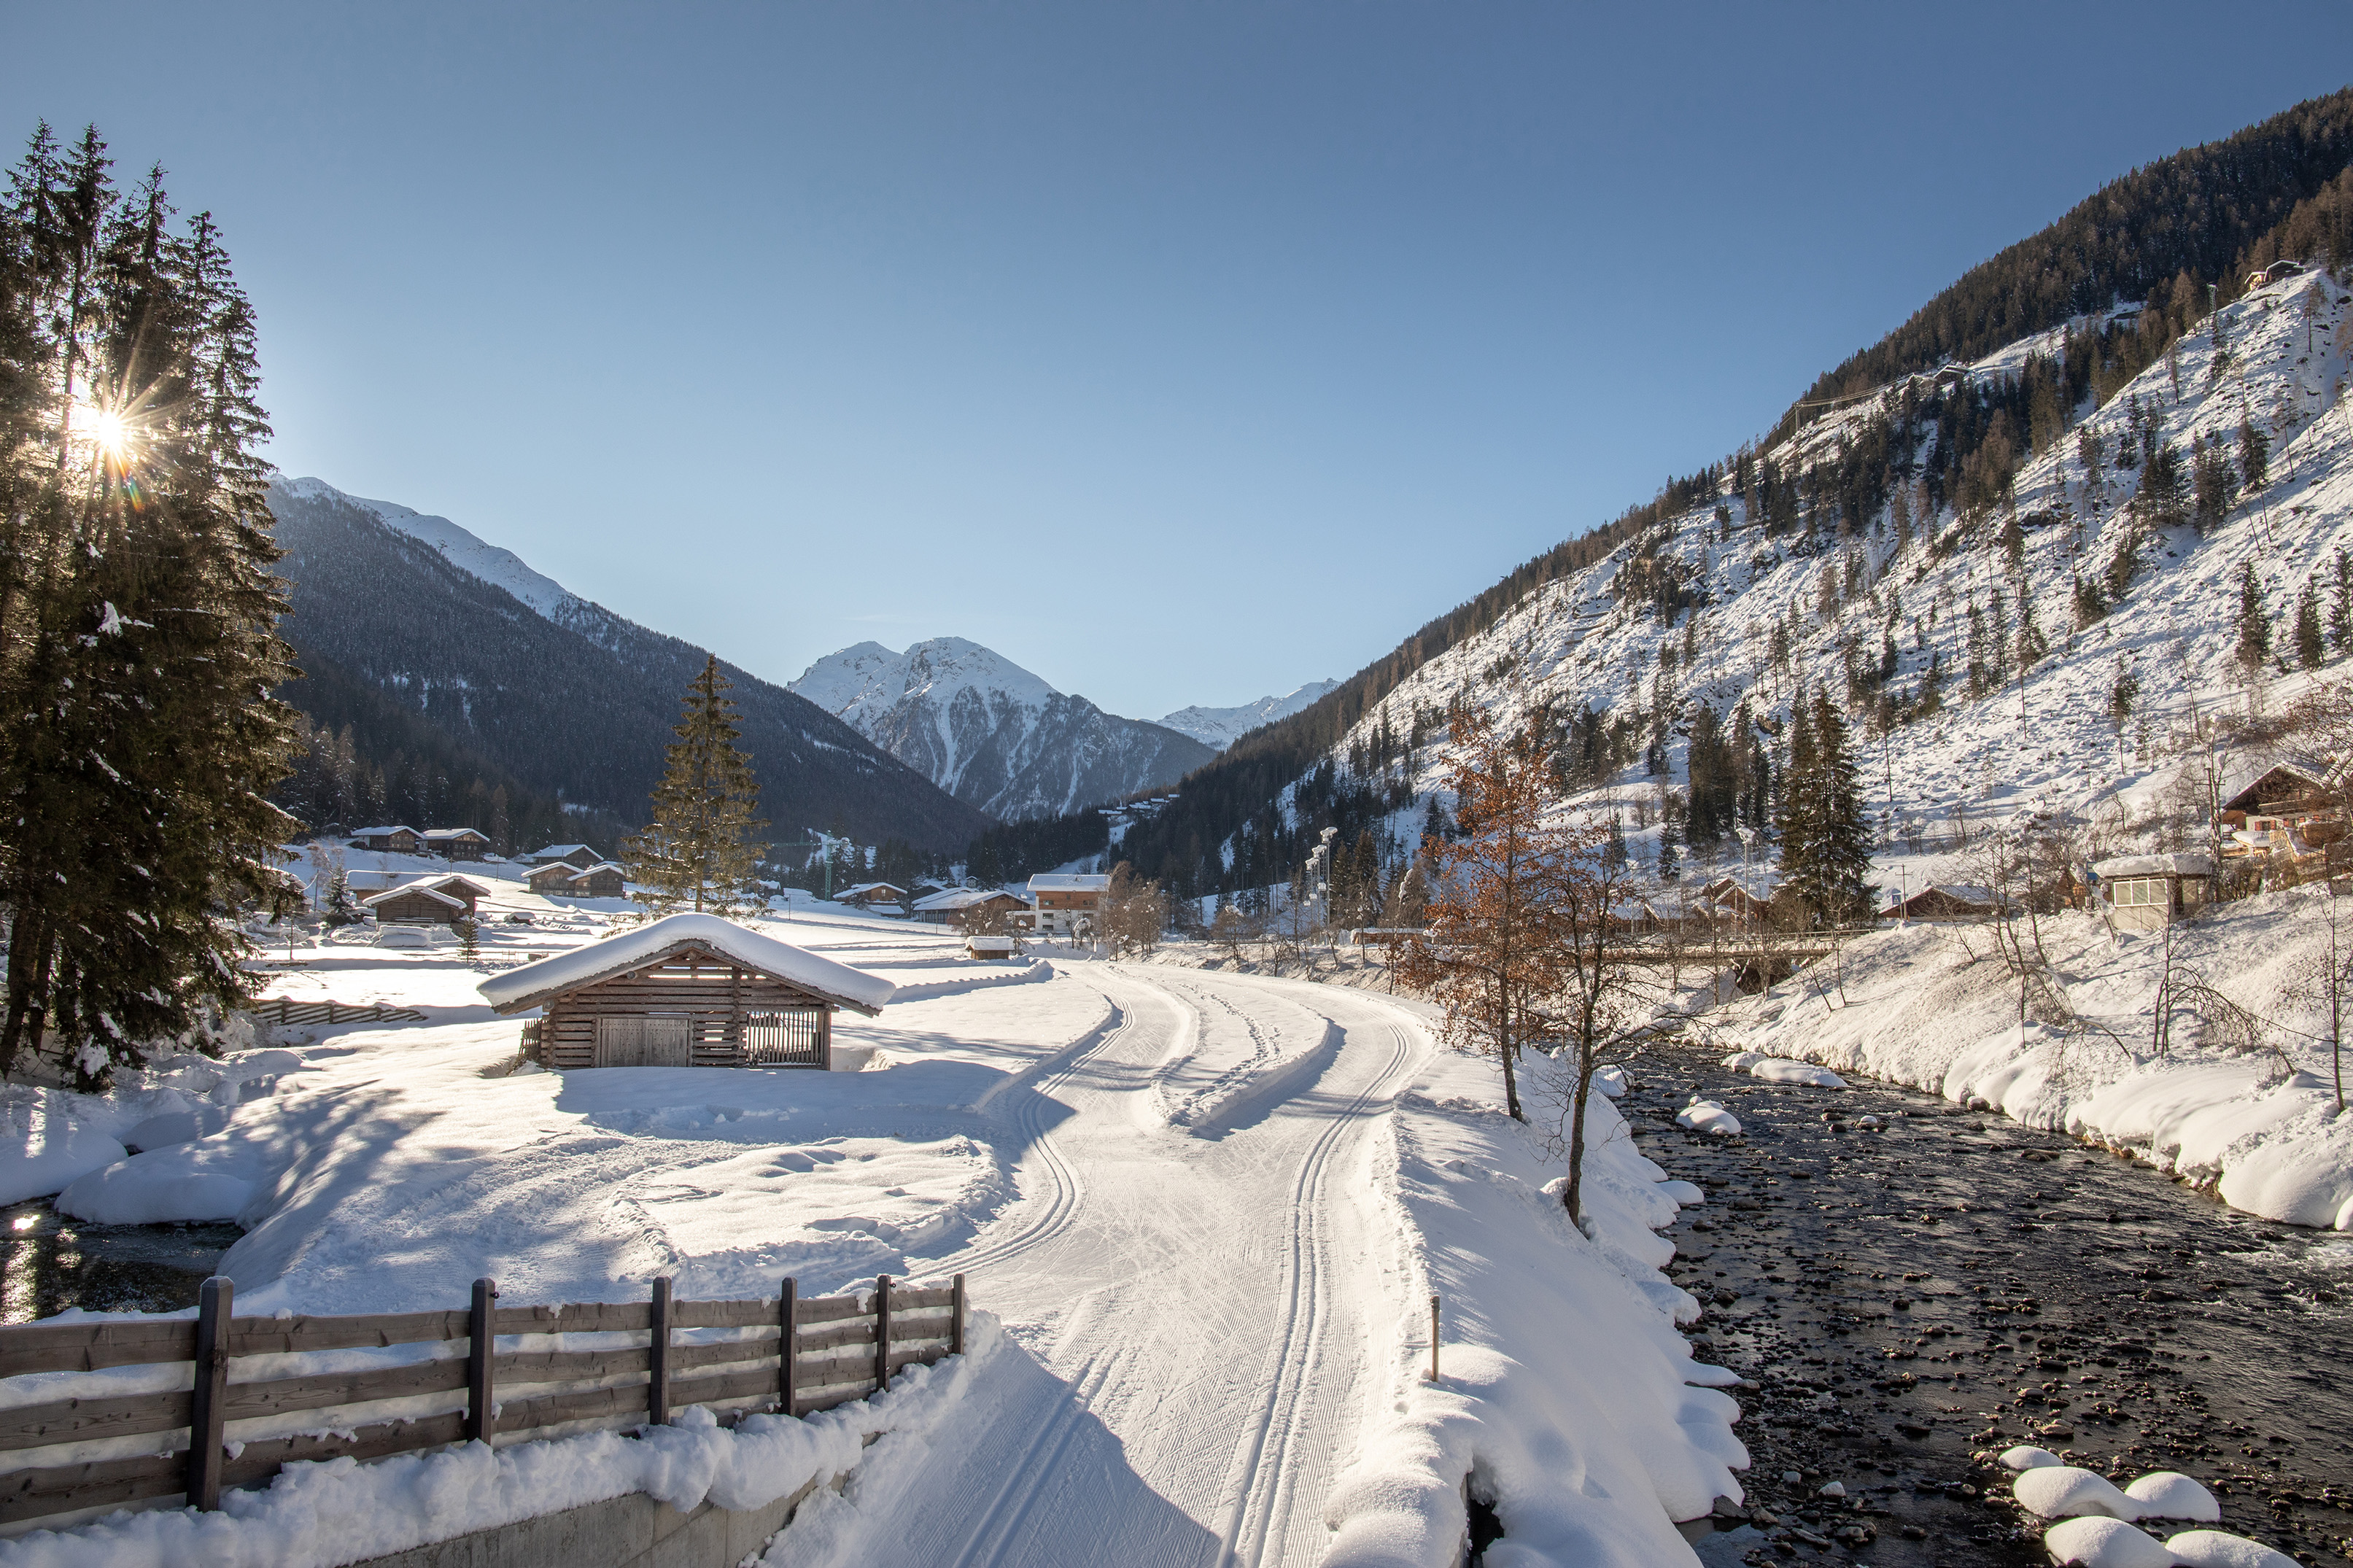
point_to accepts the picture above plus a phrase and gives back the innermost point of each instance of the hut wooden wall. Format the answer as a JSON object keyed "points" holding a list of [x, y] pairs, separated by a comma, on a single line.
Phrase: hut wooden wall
{"points": [[724, 1003]]}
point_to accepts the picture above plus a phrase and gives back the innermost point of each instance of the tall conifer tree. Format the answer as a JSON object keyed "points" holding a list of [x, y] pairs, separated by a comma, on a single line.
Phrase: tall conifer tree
{"points": [[1825, 832], [137, 619], [699, 848]]}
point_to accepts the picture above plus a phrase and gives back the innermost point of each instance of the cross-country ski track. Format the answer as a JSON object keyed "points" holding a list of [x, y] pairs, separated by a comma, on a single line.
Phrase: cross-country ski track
{"points": [[1199, 1318]]}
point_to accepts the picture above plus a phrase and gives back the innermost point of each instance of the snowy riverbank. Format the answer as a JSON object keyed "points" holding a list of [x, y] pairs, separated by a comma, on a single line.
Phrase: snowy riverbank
{"points": [[1932, 1007]]}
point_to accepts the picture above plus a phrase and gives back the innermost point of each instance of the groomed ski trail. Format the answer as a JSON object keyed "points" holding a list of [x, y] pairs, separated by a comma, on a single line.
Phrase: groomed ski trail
{"points": [[1193, 1317]]}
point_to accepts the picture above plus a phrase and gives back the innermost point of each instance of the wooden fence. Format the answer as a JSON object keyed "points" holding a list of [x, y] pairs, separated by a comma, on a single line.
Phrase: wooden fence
{"points": [[286, 1010], [814, 1354]]}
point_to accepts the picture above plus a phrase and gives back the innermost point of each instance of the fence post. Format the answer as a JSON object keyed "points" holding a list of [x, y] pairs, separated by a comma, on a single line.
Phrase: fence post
{"points": [[955, 1319], [658, 1357], [481, 1422], [881, 1332], [1433, 1336], [330, 1011], [205, 1452], [788, 1349]]}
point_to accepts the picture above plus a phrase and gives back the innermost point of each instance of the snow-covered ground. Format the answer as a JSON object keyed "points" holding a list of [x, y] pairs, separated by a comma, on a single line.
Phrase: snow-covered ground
{"points": [[1207, 1211]]}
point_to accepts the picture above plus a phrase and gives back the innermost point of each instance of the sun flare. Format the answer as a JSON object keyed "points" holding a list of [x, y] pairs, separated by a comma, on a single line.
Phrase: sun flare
{"points": [[108, 431]]}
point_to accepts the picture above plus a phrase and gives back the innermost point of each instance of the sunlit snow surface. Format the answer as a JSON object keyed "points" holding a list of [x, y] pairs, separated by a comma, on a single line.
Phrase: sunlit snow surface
{"points": [[1208, 1210]]}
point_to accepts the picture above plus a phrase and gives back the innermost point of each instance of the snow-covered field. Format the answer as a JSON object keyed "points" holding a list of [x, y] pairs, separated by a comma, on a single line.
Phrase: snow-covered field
{"points": [[1201, 1214]]}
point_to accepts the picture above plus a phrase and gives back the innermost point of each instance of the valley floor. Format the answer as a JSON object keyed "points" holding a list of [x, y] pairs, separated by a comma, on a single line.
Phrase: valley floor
{"points": [[1201, 1215]]}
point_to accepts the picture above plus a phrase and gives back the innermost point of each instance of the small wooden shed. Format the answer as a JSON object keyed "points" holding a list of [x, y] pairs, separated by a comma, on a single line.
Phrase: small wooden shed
{"points": [[579, 857], [455, 843], [602, 881], [392, 840], [2144, 892], [688, 990], [418, 905], [553, 880]]}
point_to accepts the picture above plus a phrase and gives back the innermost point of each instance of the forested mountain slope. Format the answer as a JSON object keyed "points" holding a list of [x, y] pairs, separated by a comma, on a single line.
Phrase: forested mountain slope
{"points": [[990, 733], [1911, 550], [563, 697]]}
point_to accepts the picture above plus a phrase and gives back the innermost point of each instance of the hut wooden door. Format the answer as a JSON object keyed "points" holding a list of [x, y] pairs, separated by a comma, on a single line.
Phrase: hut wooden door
{"points": [[642, 1040]]}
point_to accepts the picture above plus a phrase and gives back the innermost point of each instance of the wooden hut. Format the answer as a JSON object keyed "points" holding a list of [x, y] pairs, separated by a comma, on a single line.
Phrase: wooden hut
{"points": [[1942, 902], [551, 880], [417, 905], [602, 880], [2144, 892], [392, 840], [579, 857], [688, 990], [455, 843]]}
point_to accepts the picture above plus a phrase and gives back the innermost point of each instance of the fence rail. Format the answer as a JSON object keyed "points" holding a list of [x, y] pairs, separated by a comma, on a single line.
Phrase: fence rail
{"points": [[286, 1010], [791, 1353]]}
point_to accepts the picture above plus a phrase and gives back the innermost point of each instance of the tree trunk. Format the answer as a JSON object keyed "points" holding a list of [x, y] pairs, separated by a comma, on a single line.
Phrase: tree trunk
{"points": [[1572, 1198]]}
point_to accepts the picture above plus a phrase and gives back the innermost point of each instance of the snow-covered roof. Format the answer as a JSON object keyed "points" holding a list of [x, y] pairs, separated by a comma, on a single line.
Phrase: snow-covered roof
{"points": [[380, 832], [556, 851], [862, 889], [445, 833], [2155, 866], [535, 982], [467, 883], [564, 868], [604, 866], [402, 892], [1068, 882], [965, 898]]}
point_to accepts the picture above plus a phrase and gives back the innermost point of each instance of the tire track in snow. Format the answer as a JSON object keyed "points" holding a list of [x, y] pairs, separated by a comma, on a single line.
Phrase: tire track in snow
{"points": [[1262, 1480]]}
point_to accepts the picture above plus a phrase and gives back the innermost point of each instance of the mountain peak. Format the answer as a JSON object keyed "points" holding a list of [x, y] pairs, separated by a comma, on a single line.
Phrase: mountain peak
{"points": [[492, 564], [990, 733], [1218, 728]]}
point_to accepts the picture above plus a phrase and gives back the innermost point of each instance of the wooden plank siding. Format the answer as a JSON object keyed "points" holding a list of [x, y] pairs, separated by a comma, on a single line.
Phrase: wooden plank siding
{"points": [[527, 1389], [733, 1016]]}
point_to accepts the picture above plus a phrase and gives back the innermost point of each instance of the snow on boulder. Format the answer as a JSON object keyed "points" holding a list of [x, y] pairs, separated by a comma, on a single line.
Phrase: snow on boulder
{"points": [[174, 1127], [1611, 1080], [2217, 1549], [1687, 1194], [523, 987], [2302, 1170], [42, 1149], [2026, 1456], [2064, 1491], [1741, 1061], [2169, 1494], [1781, 1070], [2103, 1543], [185, 1183], [1707, 1116]]}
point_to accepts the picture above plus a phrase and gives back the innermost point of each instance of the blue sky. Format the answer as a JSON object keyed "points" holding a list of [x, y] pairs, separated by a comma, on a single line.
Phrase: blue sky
{"points": [[1181, 353]]}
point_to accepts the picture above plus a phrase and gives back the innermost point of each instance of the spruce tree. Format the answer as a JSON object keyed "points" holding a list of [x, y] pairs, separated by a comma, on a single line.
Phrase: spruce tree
{"points": [[1825, 831], [138, 618], [2254, 456], [699, 848], [2255, 621], [2341, 604], [2309, 651]]}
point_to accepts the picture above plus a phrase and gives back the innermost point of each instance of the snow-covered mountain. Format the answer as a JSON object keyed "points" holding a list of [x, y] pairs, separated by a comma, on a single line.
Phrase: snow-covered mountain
{"points": [[402, 620], [1218, 728], [2105, 714], [990, 733]]}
